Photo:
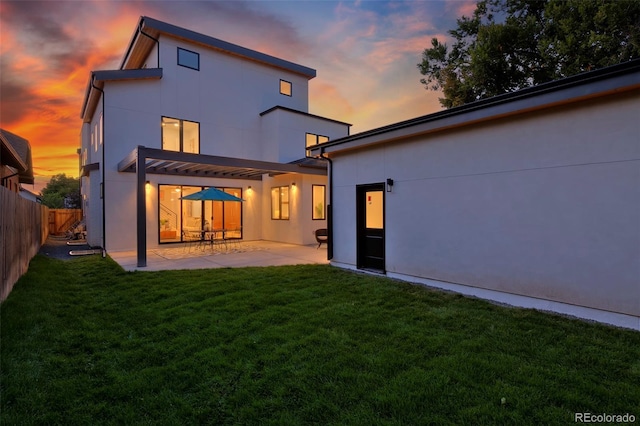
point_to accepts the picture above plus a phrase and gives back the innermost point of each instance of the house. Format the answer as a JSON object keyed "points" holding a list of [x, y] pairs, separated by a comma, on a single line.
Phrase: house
{"points": [[28, 195], [16, 166], [530, 198], [186, 111]]}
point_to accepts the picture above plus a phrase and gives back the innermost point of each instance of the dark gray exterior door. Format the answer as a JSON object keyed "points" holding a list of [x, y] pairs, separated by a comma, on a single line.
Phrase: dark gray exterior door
{"points": [[370, 223]]}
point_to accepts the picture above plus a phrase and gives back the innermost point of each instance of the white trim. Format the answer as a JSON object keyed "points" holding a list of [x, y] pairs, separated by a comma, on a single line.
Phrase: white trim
{"points": [[606, 317]]}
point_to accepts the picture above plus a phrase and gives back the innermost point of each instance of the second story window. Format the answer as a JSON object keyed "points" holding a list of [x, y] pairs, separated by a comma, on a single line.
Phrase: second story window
{"points": [[189, 59], [180, 135], [312, 139], [285, 87]]}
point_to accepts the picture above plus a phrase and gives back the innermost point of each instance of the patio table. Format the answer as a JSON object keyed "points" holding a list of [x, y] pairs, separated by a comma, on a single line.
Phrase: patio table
{"points": [[215, 239]]}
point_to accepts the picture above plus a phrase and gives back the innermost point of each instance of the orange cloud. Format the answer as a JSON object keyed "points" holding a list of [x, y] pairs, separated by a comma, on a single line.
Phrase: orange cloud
{"points": [[328, 101], [365, 53]]}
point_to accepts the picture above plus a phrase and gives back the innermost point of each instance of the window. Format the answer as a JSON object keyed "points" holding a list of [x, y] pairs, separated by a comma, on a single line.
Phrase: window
{"points": [[189, 59], [318, 200], [280, 203], [96, 137], [180, 135], [186, 220], [312, 139], [285, 87], [100, 131]]}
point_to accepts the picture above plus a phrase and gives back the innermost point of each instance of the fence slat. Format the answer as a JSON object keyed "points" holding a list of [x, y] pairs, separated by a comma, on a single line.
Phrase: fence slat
{"points": [[23, 230]]}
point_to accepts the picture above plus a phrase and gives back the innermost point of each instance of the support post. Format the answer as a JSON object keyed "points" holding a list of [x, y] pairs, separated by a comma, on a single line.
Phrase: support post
{"points": [[141, 206]]}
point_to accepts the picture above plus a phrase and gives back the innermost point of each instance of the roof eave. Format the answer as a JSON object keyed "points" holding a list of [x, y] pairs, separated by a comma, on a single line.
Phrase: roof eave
{"points": [[155, 28], [616, 79], [98, 79], [17, 161]]}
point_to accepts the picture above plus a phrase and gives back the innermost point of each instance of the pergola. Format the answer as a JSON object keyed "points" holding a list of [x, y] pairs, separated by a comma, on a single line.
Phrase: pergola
{"points": [[143, 161]]}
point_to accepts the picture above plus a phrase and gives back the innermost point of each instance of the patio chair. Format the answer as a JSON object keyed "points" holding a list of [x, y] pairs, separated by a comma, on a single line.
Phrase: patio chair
{"points": [[322, 236], [217, 240], [231, 238], [190, 240]]}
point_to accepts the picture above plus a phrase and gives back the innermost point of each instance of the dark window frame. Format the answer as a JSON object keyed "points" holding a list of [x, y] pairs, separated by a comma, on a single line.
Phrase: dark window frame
{"points": [[288, 203], [290, 87], [181, 126], [324, 202], [180, 213], [197, 55], [317, 138]]}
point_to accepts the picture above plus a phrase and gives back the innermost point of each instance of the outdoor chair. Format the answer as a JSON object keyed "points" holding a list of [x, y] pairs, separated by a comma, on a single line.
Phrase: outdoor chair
{"points": [[231, 237], [322, 236], [217, 241], [191, 240]]}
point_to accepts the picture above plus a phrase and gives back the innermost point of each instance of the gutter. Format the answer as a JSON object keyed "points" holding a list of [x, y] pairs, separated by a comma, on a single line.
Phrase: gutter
{"points": [[152, 38], [133, 42], [104, 219], [565, 90], [329, 207]]}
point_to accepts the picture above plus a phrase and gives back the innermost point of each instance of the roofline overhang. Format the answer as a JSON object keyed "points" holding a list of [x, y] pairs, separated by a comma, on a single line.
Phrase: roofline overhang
{"points": [[88, 168], [15, 160], [155, 28], [21, 163], [97, 79], [295, 111], [158, 161], [606, 81]]}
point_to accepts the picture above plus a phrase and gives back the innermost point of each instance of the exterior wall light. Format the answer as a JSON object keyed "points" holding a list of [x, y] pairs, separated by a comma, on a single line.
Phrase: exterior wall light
{"points": [[389, 184]]}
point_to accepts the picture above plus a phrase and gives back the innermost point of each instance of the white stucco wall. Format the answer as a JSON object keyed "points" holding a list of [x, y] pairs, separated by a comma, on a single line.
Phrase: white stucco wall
{"points": [[283, 134], [544, 205], [226, 96], [91, 151], [300, 227]]}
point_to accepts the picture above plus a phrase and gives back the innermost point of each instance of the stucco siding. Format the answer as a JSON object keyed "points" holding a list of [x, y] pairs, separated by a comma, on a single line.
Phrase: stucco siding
{"points": [[300, 227], [226, 97], [283, 134], [544, 205]]}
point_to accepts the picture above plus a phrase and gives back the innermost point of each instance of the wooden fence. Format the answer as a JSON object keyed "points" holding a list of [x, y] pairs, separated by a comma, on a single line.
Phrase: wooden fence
{"points": [[23, 230], [61, 220]]}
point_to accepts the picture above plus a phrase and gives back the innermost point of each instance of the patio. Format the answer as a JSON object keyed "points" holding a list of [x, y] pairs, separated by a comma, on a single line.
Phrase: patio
{"points": [[243, 254]]}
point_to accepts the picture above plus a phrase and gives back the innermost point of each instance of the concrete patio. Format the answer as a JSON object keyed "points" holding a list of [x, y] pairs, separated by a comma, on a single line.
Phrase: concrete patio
{"points": [[245, 253]]}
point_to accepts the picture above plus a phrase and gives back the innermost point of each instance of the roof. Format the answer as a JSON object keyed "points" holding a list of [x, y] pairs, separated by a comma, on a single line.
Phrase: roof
{"points": [[141, 45], [16, 152], [98, 78], [295, 111], [158, 161], [614, 79]]}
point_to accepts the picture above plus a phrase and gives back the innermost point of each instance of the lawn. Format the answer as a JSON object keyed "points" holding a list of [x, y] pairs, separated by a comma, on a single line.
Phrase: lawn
{"points": [[84, 342]]}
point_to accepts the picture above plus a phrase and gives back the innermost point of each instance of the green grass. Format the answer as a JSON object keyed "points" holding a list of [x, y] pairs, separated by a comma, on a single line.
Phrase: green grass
{"points": [[84, 342]]}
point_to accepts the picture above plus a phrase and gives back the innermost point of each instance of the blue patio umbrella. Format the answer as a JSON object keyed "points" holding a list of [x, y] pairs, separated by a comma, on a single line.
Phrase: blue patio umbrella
{"points": [[211, 194]]}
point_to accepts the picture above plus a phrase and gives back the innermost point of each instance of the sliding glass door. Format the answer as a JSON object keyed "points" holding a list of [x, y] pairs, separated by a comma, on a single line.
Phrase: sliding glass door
{"points": [[182, 220]]}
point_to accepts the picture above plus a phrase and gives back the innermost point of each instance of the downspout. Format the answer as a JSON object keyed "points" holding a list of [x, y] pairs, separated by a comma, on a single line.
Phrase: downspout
{"points": [[103, 191], [132, 43], [329, 207]]}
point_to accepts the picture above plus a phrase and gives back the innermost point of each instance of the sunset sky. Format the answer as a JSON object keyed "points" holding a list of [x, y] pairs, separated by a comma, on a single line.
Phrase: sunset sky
{"points": [[365, 54]]}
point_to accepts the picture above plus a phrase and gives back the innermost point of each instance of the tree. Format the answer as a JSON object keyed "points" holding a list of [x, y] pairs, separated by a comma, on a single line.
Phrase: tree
{"points": [[62, 192], [508, 45]]}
